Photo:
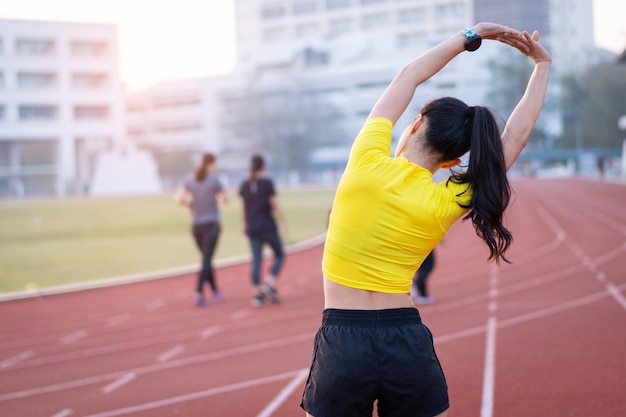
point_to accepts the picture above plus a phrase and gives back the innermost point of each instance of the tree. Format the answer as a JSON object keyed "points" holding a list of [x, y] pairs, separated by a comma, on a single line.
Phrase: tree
{"points": [[510, 73], [286, 124], [593, 102]]}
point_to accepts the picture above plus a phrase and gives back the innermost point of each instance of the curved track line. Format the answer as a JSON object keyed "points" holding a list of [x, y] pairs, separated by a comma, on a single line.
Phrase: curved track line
{"points": [[198, 395]]}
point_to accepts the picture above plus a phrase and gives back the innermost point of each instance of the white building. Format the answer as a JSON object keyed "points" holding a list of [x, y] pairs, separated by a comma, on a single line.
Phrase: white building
{"points": [[345, 52], [176, 121], [60, 103]]}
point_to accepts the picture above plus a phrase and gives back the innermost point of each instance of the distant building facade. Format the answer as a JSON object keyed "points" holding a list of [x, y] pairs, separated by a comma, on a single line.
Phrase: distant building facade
{"points": [[342, 53], [60, 103]]}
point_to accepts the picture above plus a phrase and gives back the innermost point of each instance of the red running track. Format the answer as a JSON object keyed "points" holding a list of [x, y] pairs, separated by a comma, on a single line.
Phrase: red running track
{"points": [[543, 336]]}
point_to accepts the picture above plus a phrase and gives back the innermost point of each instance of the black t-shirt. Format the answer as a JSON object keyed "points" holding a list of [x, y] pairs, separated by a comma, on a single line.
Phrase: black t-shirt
{"points": [[256, 201]]}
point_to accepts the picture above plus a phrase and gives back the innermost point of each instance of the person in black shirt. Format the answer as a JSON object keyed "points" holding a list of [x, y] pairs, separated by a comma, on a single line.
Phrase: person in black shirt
{"points": [[260, 212]]}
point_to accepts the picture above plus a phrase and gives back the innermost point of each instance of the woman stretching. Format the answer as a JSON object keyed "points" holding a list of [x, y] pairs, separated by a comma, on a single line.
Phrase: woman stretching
{"points": [[388, 215]]}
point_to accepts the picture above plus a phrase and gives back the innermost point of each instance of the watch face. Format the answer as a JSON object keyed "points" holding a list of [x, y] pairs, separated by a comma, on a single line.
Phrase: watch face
{"points": [[473, 43]]}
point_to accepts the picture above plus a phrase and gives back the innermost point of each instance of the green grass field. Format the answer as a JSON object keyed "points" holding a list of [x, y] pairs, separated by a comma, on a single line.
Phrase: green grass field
{"points": [[60, 241]]}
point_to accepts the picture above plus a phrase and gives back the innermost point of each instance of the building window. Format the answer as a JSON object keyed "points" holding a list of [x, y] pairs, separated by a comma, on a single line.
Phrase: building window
{"points": [[304, 6], [315, 58], [444, 11], [368, 2], [273, 35], [190, 100], [36, 80], [340, 27], [374, 21], [37, 112], [309, 29], [89, 49], [90, 81], [408, 40], [272, 10], [2, 113], [179, 127], [409, 16], [338, 4], [91, 112], [34, 47]]}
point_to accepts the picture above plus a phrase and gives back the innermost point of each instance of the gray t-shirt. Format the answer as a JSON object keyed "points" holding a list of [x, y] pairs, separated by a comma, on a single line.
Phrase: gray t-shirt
{"points": [[204, 206]]}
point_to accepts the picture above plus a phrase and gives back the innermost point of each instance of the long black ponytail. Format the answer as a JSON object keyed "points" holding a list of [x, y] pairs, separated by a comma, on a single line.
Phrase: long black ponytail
{"points": [[486, 172], [452, 129]]}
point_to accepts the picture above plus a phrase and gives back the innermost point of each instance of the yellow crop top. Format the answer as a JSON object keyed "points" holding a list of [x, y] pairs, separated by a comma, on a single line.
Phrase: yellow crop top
{"points": [[387, 216]]}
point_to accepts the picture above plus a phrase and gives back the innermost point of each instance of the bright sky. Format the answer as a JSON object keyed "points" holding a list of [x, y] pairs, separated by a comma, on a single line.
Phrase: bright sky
{"points": [[162, 40]]}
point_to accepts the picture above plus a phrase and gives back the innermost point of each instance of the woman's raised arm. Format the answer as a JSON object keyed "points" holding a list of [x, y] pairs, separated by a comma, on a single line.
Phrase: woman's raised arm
{"points": [[395, 99], [521, 122]]}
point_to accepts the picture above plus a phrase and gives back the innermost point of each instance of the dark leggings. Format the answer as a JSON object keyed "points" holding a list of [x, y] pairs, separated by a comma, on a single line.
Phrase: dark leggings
{"points": [[206, 235], [422, 274]]}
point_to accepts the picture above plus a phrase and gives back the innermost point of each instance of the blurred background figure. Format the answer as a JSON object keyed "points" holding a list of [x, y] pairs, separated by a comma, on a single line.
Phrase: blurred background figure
{"points": [[260, 212], [419, 289], [201, 192]]}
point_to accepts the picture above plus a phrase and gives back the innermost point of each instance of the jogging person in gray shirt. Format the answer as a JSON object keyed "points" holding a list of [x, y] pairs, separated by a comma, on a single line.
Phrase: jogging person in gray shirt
{"points": [[201, 192]]}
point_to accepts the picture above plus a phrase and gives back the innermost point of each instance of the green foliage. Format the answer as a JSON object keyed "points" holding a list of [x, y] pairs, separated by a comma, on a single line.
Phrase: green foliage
{"points": [[592, 103], [287, 125], [510, 73], [52, 242]]}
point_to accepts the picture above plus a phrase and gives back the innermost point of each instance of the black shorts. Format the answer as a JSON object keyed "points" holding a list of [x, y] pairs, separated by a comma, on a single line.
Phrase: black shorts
{"points": [[361, 356]]}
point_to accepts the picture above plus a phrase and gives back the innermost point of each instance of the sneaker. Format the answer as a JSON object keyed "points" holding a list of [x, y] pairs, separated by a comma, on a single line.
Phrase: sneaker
{"points": [[425, 300], [218, 297], [200, 301], [270, 292], [258, 300]]}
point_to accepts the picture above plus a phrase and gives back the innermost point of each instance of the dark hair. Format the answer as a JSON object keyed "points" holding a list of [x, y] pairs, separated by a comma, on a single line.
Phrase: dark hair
{"points": [[257, 163], [452, 129], [202, 169]]}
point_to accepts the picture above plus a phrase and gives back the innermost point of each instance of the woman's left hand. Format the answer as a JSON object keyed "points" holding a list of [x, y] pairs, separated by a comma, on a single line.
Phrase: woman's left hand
{"points": [[504, 34]]}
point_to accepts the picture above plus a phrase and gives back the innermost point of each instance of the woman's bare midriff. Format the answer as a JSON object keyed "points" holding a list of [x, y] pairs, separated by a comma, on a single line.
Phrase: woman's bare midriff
{"points": [[347, 298]]}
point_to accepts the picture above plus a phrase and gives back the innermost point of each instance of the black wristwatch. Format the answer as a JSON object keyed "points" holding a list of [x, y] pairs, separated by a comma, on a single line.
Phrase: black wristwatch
{"points": [[472, 40]]}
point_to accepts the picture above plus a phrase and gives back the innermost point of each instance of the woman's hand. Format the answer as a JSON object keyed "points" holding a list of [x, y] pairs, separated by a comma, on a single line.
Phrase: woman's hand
{"points": [[536, 51], [504, 34], [493, 31]]}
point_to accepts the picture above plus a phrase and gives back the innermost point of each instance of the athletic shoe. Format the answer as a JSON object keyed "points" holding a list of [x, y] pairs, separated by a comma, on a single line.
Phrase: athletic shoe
{"points": [[425, 300], [270, 292], [258, 300], [200, 301], [218, 297]]}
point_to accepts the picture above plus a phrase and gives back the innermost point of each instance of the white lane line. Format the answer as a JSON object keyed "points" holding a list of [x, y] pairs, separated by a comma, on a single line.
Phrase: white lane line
{"points": [[166, 356], [197, 395], [27, 354], [538, 314], [284, 394], [226, 353], [64, 413], [619, 297], [241, 314], [208, 332], [155, 304], [73, 337], [117, 320], [306, 337], [125, 379], [489, 375]]}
